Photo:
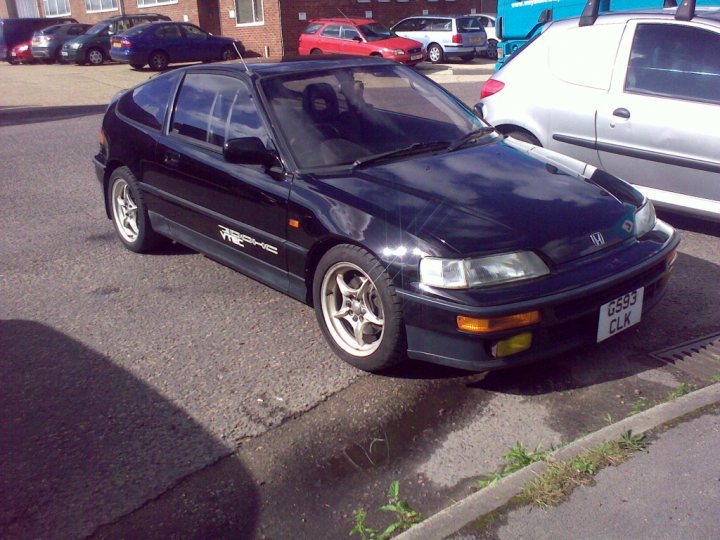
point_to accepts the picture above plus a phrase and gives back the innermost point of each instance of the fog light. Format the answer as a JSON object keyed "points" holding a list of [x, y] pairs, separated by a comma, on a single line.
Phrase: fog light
{"points": [[513, 345], [495, 324]]}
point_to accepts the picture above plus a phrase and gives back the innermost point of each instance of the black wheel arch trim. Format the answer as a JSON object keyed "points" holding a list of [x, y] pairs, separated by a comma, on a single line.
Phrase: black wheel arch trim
{"points": [[647, 155]]}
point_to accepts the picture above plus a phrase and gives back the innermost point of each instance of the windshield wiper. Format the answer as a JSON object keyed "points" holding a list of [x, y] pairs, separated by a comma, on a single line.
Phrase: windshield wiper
{"points": [[415, 148], [469, 137]]}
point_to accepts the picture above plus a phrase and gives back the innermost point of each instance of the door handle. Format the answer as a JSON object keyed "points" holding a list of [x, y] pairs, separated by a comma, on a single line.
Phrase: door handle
{"points": [[171, 159], [621, 112]]}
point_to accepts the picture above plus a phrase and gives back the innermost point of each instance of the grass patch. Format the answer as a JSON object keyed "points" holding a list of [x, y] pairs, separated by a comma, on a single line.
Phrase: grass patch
{"points": [[682, 389], [639, 406], [517, 458], [561, 478], [405, 517]]}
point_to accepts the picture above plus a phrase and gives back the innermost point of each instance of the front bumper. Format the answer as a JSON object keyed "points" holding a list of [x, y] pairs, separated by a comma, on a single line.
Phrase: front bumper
{"points": [[72, 55], [569, 318]]}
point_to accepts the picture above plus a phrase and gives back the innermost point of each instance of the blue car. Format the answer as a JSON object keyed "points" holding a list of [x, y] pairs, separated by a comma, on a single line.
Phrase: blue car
{"points": [[161, 43]]}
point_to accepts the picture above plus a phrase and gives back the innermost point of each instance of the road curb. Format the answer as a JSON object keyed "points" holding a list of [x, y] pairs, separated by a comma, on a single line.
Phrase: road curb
{"points": [[487, 500]]}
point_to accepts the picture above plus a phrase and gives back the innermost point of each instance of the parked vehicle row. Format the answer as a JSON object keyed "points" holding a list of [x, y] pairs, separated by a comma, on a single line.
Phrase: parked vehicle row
{"points": [[636, 93], [150, 38]]}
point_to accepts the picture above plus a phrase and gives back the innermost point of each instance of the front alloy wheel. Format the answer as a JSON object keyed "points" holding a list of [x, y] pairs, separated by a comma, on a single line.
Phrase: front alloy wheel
{"points": [[95, 57], [125, 211], [435, 53], [357, 308]]}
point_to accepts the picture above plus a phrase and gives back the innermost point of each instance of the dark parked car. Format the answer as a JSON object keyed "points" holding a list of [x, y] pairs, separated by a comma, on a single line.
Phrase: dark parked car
{"points": [[161, 43], [366, 190], [14, 31], [47, 43], [94, 45]]}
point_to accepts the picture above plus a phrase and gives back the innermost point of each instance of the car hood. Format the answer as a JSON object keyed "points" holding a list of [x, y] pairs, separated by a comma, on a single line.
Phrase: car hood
{"points": [[397, 42], [499, 197]]}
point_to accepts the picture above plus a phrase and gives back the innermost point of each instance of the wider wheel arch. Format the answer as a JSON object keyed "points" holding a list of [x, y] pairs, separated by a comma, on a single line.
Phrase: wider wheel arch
{"points": [[508, 128]]}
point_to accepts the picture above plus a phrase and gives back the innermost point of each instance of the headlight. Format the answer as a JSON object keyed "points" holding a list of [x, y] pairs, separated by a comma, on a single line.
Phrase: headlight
{"points": [[75, 45], [398, 52], [644, 219], [484, 271], [23, 48]]}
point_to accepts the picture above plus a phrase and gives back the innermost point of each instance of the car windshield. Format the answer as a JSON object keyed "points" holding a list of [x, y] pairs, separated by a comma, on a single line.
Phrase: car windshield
{"points": [[99, 27], [354, 115], [376, 31], [50, 30], [136, 30], [468, 24]]}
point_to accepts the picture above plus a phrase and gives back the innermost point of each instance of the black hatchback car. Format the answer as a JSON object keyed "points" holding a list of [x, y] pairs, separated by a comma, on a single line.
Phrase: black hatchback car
{"points": [[366, 190]]}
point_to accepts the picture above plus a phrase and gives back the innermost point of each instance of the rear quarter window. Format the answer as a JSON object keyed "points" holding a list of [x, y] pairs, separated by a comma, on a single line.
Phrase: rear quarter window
{"points": [[585, 55], [147, 104]]}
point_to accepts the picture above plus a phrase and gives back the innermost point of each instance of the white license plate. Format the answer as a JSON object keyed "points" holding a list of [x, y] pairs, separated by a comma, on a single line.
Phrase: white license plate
{"points": [[474, 39], [620, 314], [13, 53], [116, 45], [415, 56], [63, 53]]}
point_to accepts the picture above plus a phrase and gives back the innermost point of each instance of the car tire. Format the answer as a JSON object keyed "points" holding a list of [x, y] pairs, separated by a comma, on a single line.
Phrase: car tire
{"points": [[95, 57], [316, 51], [158, 61], [435, 53], [137, 66], [492, 50], [522, 135], [228, 53], [128, 212], [358, 309]]}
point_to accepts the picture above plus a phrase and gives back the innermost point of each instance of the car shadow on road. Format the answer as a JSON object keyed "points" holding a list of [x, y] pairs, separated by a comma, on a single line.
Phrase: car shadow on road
{"points": [[84, 442], [17, 116]]}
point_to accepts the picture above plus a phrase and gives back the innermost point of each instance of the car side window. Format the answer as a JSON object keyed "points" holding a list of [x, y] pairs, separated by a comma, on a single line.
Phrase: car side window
{"points": [[441, 25], [409, 25], [331, 30], [193, 32], [675, 61], [348, 32], [215, 108], [147, 103], [312, 28], [168, 32]]}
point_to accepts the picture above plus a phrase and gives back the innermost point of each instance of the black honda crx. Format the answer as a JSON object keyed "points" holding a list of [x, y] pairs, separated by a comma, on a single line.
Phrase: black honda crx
{"points": [[364, 189]]}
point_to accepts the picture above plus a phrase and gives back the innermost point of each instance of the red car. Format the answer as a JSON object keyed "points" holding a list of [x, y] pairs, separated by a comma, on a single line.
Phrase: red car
{"points": [[22, 52], [364, 37]]}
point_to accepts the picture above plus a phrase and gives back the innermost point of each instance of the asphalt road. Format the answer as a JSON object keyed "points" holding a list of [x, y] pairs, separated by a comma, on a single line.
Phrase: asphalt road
{"points": [[168, 394]]}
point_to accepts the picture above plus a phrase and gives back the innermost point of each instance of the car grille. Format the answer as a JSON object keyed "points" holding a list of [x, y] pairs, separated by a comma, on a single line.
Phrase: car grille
{"points": [[414, 50]]}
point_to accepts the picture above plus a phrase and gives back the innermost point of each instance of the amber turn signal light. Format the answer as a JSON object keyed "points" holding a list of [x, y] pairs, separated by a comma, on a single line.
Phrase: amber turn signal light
{"points": [[496, 324]]}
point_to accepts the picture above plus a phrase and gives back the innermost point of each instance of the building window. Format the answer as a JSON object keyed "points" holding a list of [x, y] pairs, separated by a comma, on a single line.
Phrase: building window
{"points": [[249, 11], [149, 3], [54, 8], [100, 5]]}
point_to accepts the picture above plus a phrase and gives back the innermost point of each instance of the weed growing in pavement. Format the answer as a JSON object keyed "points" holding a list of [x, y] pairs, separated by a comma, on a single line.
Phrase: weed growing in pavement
{"points": [[561, 478], [609, 420], [405, 517], [639, 406], [682, 389], [714, 379], [517, 458]]}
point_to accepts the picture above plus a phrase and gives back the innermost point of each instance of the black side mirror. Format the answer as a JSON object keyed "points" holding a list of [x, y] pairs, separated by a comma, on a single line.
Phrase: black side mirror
{"points": [[248, 151], [357, 38]]}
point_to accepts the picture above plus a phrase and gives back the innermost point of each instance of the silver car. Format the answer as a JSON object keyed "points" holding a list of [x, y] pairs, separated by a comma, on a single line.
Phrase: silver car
{"points": [[637, 94], [443, 36]]}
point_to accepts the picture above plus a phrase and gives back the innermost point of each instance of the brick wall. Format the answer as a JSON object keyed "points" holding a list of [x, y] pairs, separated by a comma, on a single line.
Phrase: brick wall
{"points": [[255, 37], [174, 11]]}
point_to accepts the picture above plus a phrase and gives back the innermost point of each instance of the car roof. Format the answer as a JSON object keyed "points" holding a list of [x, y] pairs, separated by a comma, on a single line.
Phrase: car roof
{"points": [[339, 20], [704, 13]]}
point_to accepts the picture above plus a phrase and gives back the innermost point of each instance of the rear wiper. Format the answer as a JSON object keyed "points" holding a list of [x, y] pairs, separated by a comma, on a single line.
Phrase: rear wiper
{"points": [[415, 148], [469, 137]]}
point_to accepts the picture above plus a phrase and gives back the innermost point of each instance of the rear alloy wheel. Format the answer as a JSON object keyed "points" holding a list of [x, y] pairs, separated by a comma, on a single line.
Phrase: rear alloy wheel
{"points": [[128, 212], [358, 309], [95, 57], [158, 61], [228, 53], [435, 53], [492, 50]]}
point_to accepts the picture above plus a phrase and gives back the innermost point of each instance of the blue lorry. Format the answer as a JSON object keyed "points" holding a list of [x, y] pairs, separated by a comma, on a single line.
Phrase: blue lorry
{"points": [[519, 20]]}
